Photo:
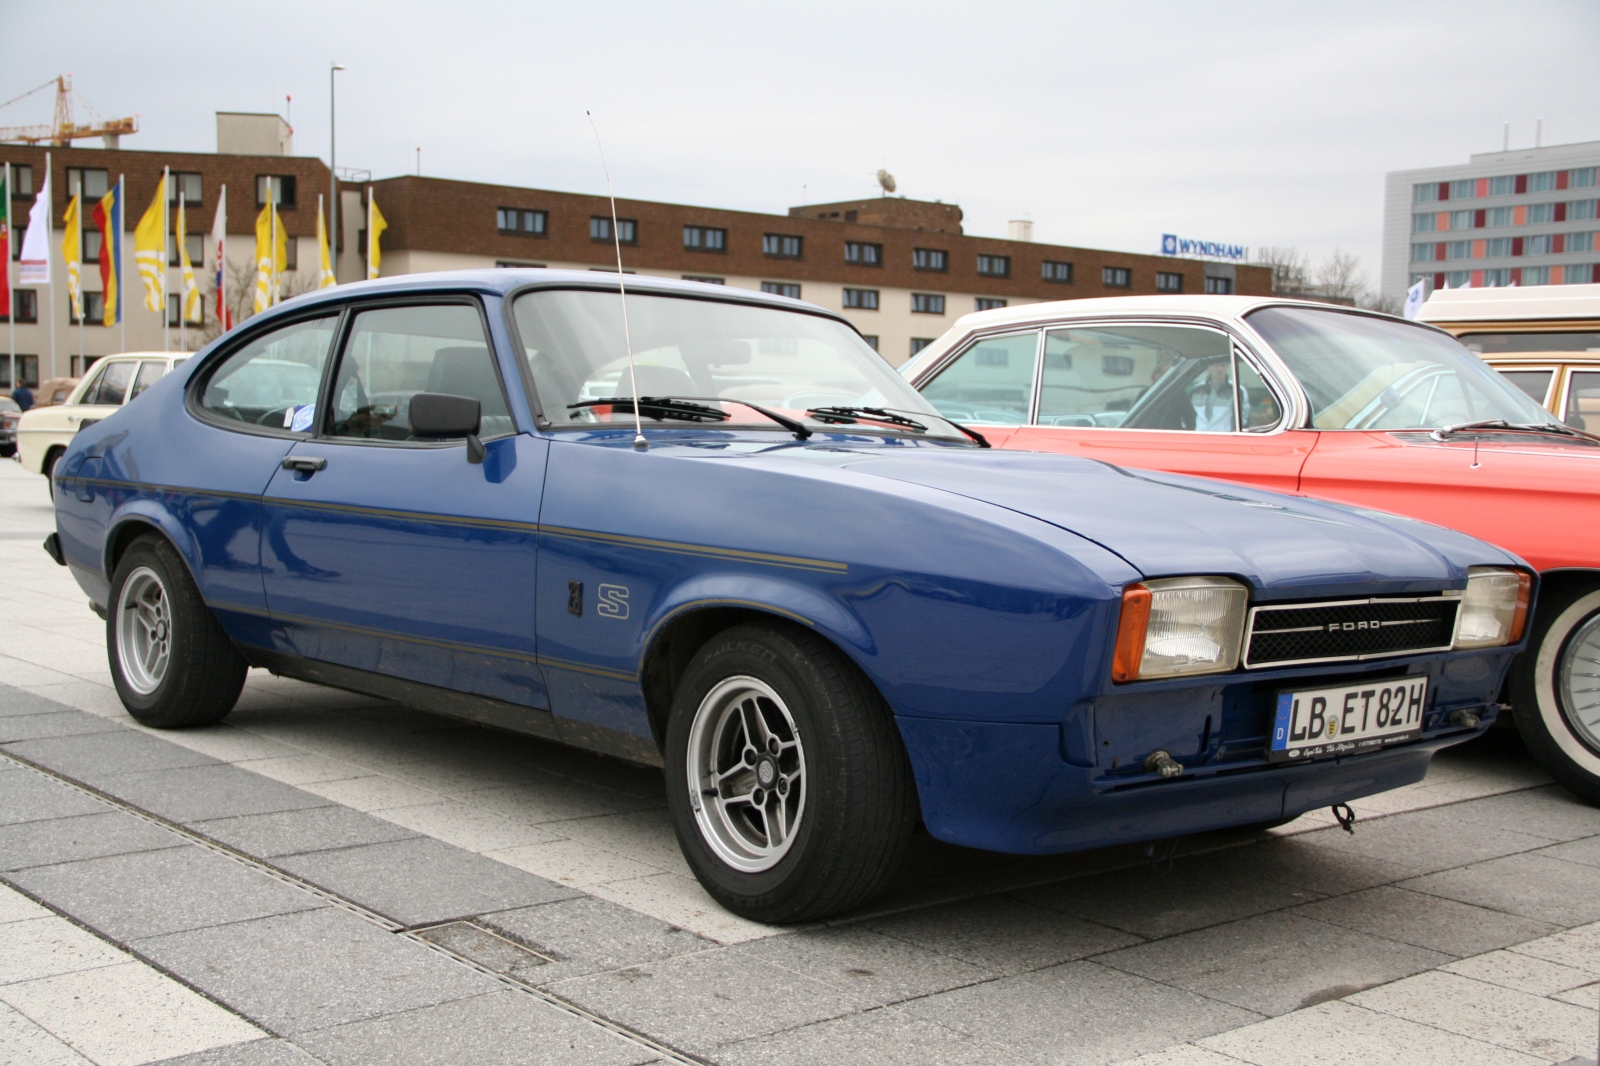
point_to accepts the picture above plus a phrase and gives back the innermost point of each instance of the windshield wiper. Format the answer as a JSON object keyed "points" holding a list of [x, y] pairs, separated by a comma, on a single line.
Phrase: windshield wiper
{"points": [[977, 438], [1516, 427], [681, 407], [852, 415]]}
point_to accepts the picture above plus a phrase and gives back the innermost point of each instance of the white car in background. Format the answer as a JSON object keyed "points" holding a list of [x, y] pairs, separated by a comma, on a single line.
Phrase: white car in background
{"points": [[43, 433]]}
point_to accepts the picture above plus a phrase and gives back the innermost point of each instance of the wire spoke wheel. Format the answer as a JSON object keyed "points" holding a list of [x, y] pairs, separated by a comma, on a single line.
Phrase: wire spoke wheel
{"points": [[1578, 682], [144, 630], [746, 774]]}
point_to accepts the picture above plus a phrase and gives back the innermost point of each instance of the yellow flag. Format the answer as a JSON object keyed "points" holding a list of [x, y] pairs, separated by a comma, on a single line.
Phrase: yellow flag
{"points": [[191, 287], [150, 250], [375, 227], [325, 276], [72, 252], [272, 256]]}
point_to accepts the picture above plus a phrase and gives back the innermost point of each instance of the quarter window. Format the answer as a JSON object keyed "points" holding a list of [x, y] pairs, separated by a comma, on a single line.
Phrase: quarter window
{"points": [[110, 385], [149, 374], [990, 383], [1583, 401], [393, 353], [272, 381]]}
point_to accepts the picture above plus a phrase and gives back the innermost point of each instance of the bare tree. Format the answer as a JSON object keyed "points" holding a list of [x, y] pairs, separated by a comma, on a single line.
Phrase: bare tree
{"points": [[1340, 277], [242, 295], [1291, 268]]}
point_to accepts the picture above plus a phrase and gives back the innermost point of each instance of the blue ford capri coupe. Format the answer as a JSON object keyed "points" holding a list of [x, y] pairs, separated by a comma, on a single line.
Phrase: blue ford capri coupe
{"points": [[825, 610]]}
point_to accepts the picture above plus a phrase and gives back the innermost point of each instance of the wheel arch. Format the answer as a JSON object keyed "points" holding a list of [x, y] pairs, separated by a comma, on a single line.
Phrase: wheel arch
{"points": [[141, 517], [1557, 585]]}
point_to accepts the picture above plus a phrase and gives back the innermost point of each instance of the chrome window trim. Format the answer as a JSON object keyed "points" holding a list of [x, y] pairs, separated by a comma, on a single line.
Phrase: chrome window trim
{"points": [[1250, 629]]}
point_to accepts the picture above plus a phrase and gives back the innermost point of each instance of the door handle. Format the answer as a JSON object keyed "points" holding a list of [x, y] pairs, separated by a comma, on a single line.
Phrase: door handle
{"points": [[304, 464]]}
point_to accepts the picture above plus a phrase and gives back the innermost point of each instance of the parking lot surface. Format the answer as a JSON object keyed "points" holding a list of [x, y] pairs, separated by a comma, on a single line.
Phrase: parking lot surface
{"points": [[331, 878]]}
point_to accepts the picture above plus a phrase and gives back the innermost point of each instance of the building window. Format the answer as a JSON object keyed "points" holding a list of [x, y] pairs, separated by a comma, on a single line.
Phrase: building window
{"points": [[90, 240], [1116, 277], [1061, 272], [930, 259], [1576, 274], [1457, 278], [1497, 278], [863, 254], [1503, 186], [600, 229], [702, 279], [518, 220], [1499, 216], [1458, 250], [994, 266], [871, 339], [1219, 286], [27, 366], [94, 309], [24, 305], [189, 185], [1420, 253], [173, 300], [1536, 245], [782, 245], [1539, 213], [985, 303], [705, 239], [282, 189], [195, 241], [1543, 182], [927, 303], [861, 299], [22, 185], [90, 184], [1536, 275], [1169, 282], [1428, 222], [1580, 242], [1463, 190], [919, 343], [1581, 178], [1426, 193], [1581, 209], [782, 288], [18, 235], [1494, 248], [1461, 219]]}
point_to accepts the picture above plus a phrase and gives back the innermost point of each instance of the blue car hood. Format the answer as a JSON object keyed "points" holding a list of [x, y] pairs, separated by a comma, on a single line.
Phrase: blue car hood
{"points": [[1165, 524]]}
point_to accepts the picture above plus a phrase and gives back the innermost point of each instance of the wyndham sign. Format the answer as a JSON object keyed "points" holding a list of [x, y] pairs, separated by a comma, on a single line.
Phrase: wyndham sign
{"points": [[1171, 244]]}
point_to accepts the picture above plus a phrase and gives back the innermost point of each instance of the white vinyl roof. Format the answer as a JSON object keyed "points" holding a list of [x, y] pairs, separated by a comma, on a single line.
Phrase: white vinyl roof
{"points": [[1512, 302]]}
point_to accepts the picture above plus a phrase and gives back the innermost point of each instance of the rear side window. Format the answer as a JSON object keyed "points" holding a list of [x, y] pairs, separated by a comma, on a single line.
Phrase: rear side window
{"points": [[111, 385], [991, 383], [149, 374], [393, 353], [272, 381]]}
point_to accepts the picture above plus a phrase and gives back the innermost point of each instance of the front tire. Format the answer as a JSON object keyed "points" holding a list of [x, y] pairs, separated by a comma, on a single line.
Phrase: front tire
{"points": [[1555, 690], [172, 663], [787, 783], [49, 469]]}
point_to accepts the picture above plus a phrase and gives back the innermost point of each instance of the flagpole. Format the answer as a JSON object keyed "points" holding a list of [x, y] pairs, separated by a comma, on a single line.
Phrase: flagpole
{"points": [[222, 262], [50, 243], [122, 211], [183, 282], [272, 247], [166, 228], [11, 312]]}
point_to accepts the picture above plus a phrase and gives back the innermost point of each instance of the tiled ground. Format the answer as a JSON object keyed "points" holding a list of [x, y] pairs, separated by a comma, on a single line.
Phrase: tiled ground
{"points": [[280, 864]]}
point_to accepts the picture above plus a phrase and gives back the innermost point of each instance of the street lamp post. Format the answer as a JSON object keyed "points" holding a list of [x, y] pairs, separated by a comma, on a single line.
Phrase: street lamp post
{"points": [[333, 175]]}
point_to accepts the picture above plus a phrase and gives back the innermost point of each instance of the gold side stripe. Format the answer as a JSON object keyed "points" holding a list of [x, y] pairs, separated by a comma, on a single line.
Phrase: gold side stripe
{"points": [[706, 551], [145, 487], [408, 516], [585, 668]]}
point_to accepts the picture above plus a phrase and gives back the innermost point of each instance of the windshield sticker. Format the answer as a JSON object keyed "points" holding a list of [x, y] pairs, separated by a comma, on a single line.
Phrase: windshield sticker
{"points": [[300, 417]]}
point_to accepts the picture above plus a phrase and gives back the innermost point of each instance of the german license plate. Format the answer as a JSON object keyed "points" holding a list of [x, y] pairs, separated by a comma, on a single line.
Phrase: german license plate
{"points": [[1347, 720]]}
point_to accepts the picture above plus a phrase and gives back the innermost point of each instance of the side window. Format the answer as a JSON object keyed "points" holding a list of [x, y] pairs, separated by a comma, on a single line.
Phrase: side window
{"points": [[1138, 377], [272, 381], [1258, 407], [1583, 401], [1536, 383], [393, 353], [112, 384], [991, 383], [149, 374]]}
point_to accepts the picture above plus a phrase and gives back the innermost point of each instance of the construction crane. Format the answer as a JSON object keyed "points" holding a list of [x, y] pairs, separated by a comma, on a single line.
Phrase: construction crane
{"points": [[64, 130]]}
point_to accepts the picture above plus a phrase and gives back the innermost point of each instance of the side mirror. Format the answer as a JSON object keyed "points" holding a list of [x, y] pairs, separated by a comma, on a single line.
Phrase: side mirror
{"points": [[437, 414]]}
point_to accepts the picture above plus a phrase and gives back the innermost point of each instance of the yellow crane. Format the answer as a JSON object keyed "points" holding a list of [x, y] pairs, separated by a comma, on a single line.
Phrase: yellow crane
{"points": [[64, 129]]}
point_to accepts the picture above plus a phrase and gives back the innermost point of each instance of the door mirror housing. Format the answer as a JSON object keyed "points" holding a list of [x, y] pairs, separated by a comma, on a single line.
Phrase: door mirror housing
{"points": [[440, 415]]}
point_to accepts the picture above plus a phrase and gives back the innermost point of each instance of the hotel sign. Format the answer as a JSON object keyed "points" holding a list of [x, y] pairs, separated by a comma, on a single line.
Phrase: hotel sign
{"points": [[1171, 244]]}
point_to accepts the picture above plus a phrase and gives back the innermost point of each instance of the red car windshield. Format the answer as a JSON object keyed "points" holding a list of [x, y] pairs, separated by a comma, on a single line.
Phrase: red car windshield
{"points": [[1362, 372]]}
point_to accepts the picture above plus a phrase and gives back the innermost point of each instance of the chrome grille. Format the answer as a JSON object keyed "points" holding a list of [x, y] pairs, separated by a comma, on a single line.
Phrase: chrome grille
{"points": [[1349, 630]]}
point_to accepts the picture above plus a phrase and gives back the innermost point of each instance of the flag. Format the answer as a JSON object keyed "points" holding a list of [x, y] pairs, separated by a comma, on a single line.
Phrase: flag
{"points": [[219, 253], [191, 289], [5, 238], [1414, 297], [72, 254], [107, 217], [150, 249], [325, 276], [36, 242], [375, 227], [272, 256]]}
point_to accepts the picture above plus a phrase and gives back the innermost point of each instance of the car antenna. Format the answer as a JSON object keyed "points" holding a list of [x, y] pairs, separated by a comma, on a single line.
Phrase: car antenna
{"points": [[639, 441]]}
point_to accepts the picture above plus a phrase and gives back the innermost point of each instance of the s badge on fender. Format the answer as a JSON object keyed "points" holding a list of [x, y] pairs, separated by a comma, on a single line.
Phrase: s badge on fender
{"points": [[611, 601]]}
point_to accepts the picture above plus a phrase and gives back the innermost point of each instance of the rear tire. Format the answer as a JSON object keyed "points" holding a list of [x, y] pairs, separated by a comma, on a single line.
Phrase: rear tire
{"points": [[789, 789], [1558, 720], [52, 457], [172, 663]]}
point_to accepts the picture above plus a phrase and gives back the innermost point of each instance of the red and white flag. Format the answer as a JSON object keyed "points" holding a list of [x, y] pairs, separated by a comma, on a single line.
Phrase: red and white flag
{"points": [[219, 254]]}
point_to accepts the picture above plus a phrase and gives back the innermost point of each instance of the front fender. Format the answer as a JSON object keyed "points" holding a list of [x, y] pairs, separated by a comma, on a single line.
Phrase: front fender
{"points": [[789, 599]]}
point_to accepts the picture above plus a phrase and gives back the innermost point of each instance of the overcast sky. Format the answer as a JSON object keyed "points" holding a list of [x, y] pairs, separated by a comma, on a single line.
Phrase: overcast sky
{"points": [[1106, 123]]}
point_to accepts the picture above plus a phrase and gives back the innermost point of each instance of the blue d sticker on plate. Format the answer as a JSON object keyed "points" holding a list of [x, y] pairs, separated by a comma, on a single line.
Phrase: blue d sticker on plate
{"points": [[304, 415]]}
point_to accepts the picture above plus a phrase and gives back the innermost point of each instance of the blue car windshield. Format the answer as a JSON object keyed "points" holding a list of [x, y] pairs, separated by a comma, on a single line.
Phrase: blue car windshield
{"points": [[1361, 372], [789, 361]]}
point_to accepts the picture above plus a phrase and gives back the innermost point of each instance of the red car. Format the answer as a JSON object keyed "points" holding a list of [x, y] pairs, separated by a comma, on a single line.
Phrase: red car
{"points": [[1331, 402]]}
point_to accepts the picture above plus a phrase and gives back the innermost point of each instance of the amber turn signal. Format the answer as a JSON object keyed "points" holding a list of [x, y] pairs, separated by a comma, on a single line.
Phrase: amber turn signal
{"points": [[1519, 619], [1131, 630]]}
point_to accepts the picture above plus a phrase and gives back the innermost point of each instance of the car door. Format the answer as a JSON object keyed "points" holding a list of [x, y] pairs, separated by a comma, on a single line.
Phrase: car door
{"points": [[397, 556], [1182, 398]]}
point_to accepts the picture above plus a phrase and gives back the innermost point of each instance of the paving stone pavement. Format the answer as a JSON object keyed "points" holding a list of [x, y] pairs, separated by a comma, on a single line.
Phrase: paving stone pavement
{"points": [[330, 878]]}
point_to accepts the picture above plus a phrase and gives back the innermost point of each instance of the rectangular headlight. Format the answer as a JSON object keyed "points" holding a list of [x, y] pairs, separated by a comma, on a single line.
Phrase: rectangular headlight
{"points": [[1174, 626], [1494, 609]]}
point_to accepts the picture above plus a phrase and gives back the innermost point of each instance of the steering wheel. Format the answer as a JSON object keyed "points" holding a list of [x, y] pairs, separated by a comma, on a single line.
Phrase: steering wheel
{"points": [[274, 417]]}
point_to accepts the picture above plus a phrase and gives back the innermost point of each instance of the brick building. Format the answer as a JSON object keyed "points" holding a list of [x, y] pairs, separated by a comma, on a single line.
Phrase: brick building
{"points": [[901, 270]]}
